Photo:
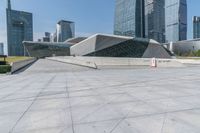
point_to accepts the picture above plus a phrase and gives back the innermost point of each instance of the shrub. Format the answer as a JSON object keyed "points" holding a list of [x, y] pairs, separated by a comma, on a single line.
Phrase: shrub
{"points": [[5, 68], [189, 54], [197, 53]]}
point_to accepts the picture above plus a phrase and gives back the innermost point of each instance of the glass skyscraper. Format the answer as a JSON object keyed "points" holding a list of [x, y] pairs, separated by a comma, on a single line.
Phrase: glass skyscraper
{"points": [[196, 27], [65, 30], [129, 18], [19, 29], [155, 20], [1, 49], [176, 20]]}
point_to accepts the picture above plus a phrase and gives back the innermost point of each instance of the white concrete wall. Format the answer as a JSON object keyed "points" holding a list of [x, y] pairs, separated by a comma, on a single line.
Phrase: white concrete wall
{"points": [[20, 64], [156, 50], [109, 61], [184, 46], [75, 61], [83, 48]]}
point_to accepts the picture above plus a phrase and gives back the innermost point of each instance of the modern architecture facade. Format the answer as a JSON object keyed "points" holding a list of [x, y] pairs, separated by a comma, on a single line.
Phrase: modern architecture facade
{"points": [[47, 34], [196, 27], [101, 45], [46, 49], [47, 37], [54, 37], [176, 20], [65, 30], [75, 40], [129, 18], [185, 47], [155, 20], [1, 49], [19, 29]]}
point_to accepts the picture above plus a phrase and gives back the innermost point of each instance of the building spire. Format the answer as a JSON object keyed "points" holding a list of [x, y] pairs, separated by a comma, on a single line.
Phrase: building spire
{"points": [[9, 5]]}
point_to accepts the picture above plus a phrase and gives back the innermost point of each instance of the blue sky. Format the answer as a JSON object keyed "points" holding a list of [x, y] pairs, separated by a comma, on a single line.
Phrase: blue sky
{"points": [[90, 16]]}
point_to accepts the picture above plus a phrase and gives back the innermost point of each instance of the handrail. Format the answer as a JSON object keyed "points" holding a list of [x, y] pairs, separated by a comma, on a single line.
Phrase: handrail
{"points": [[3, 56]]}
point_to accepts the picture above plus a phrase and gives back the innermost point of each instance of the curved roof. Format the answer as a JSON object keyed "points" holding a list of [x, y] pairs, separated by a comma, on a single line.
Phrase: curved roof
{"points": [[119, 46]]}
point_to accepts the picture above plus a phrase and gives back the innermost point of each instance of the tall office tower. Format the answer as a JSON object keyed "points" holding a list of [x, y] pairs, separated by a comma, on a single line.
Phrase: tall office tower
{"points": [[47, 34], [176, 20], [47, 37], [155, 20], [53, 37], [1, 49], [129, 18], [65, 30], [196, 27], [19, 29]]}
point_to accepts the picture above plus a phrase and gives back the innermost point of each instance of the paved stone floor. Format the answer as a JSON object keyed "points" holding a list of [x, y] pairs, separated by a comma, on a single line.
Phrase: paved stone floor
{"points": [[52, 97]]}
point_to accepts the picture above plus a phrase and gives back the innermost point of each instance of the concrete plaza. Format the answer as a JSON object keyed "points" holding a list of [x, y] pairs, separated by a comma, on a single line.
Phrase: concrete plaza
{"points": [[53, 97]]}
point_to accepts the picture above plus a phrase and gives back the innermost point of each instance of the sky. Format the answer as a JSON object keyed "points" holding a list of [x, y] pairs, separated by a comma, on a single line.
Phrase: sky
{"points": [[90, 16]]}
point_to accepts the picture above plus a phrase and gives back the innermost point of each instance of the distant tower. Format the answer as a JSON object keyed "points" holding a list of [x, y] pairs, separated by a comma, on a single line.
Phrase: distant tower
{"points": [[19, 29], [9, 5], [176, 20], [129, 18], [65, 30], [196, 27], [1, 49], [155, 20]]}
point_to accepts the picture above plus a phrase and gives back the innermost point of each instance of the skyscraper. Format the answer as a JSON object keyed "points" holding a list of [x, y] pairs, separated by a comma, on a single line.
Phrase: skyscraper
{"points": [[196, 27], [47, 37], [65, 30], [1, 49], [176, 20], [19, 29], [155, 20], [129, 18], [54, 37]]}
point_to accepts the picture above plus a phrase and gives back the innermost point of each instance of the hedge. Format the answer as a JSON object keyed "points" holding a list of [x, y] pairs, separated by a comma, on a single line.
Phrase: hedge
{"points": [[5, 68]]}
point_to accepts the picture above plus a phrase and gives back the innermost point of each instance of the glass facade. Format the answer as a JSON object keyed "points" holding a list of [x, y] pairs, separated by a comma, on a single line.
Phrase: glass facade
{"points": [[19, 29], [118, 46], [1, 49], [176, 20], [65, 30], [128, 48], [155, 20], [45, 49], [129, 18], [184, 48], [196, 27]]}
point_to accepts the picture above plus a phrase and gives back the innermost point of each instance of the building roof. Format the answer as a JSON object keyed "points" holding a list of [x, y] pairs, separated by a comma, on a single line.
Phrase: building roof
{"points": [[65, 21], [75, 40], [119, 46], [47, 43]]}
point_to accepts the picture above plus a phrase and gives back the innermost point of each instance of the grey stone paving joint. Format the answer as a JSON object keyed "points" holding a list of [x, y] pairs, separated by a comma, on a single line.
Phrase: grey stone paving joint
{"points": [[53, 97]]}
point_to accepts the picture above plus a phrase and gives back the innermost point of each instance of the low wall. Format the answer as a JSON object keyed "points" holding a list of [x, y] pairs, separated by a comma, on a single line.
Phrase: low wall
{"points": [[189, 61], [95, 62], [169, 63], [74, 61], [15, 66]]}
